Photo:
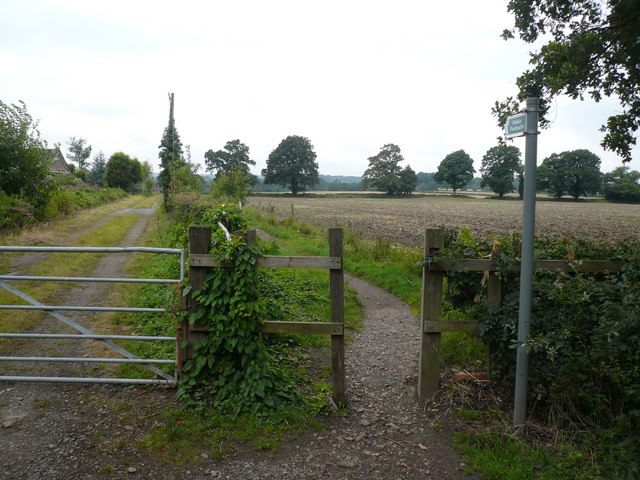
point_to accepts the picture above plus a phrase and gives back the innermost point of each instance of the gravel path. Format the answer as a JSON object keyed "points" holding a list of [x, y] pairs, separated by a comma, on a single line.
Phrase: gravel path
{"points": [[81, 432], [386, 435]]}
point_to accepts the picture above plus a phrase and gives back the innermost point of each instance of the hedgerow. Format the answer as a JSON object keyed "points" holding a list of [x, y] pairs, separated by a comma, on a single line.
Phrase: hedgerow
{"points": [[584, 335], [17, 212]]}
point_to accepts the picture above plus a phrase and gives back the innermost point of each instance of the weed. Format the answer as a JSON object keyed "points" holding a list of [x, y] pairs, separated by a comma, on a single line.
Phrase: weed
{"points": [[43, 403]]}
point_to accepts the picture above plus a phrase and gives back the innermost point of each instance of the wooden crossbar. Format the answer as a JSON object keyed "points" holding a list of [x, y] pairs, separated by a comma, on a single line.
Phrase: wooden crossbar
{"points": [[487, 265], [269, 261]]}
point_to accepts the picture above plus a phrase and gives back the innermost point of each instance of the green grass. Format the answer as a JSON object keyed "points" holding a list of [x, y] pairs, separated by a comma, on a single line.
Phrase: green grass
{"points": [[184, 435], [61, 264], [497, 456], [393, 268]]}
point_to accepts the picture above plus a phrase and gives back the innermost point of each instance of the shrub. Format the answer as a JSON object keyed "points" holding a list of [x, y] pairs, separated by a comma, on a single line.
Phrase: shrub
{"points": [[585, 332], [14, 212]]}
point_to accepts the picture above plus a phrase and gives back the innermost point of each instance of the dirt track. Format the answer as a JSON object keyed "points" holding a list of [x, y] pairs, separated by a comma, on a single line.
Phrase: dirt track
{"points": [[52, 431]]}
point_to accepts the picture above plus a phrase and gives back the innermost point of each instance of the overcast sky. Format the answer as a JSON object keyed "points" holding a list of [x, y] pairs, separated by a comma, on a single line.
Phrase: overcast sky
{"points": [[349, 75]]}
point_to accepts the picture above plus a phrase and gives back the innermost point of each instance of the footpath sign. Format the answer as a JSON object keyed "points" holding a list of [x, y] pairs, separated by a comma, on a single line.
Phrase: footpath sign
{"points": [[515, 126]]}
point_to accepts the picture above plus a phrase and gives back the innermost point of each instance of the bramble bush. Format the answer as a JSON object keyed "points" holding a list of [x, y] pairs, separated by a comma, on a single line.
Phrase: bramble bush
{"points": [[585, 335]]}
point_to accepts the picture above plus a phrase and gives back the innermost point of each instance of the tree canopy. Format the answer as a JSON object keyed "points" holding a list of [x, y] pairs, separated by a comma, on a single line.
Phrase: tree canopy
{"points": [[500, 166], [231, 186], [622, 185], [592, 50], [98, 167], [575, 173], [78, 152], [24, 162], [456, 170], [384, 172], [408, 180], [123, 172], [170, 154], [292, 165], [234, 157]]}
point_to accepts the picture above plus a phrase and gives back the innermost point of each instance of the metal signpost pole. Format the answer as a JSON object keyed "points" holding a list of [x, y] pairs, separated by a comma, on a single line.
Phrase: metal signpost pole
{"points": [[526, 266]]}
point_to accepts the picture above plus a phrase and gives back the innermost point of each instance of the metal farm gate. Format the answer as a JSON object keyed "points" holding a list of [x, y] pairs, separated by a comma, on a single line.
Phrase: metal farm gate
{"points": [[84, 333]]}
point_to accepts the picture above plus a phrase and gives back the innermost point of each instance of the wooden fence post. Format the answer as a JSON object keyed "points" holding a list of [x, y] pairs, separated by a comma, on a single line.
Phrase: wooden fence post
{"points": [[251, 237], [494, 300], [336, 287], [199, 242], [431, 311]]}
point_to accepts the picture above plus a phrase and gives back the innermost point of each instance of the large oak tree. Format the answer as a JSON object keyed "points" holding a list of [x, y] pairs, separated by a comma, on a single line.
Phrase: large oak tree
{"points": [[456, 170], [234, 157], [292, 165], [575, 173], [500, 166], [386, 175]]}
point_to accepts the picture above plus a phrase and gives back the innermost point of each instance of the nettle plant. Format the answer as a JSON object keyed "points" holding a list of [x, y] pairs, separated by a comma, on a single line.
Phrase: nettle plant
{"points": [[585, 329], [230, 367]]}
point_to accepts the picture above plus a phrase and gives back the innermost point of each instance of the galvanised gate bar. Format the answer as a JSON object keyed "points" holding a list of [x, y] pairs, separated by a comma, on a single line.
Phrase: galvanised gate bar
{"points": [[86, 334]]}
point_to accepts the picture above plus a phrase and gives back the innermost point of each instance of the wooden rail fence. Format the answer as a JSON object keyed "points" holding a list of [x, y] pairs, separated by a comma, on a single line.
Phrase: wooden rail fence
{"points": [[200, 261], [432, 325]]}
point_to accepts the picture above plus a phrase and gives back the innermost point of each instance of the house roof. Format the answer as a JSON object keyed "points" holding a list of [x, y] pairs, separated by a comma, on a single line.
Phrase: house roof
{"points": [[58, 162]]}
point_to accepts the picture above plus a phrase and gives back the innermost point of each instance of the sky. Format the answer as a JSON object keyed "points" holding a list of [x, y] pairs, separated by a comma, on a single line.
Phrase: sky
{"points": [[349, 75]]}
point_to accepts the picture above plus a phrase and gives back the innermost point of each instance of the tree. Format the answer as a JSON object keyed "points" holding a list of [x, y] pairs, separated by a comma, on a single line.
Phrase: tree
{"points": [[408, 180], [592, 50], [384, 172], [123, 172], [622, 185], [147, 177], [77, 152], [292, 164], [98, 167], [231, 186], [456, 170], [500, 166], [186, 179], [170, 155], [234, 157], [576, 173], [24, 162]]}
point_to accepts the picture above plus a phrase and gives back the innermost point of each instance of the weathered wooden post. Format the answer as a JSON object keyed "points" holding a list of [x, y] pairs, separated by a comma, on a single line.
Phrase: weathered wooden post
{"points": [[336, 288], [251, 237], [494, 300], [431, 311], [199, 242]]}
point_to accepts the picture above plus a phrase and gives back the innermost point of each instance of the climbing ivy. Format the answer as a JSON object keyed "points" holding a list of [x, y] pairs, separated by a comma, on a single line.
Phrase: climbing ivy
{"points": [[230, 367]]}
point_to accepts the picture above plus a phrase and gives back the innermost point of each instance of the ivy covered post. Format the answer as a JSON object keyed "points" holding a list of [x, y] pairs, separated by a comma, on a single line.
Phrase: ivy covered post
{"points": [[199, 242], [431, 312], [336, 287]]}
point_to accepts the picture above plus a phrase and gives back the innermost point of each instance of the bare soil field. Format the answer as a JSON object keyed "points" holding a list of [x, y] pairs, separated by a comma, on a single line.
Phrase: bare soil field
{"points": [[403, 220]]}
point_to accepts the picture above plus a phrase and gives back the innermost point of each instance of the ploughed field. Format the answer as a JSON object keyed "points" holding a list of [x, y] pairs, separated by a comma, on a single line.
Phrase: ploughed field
{"points": [[403, 220]]}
